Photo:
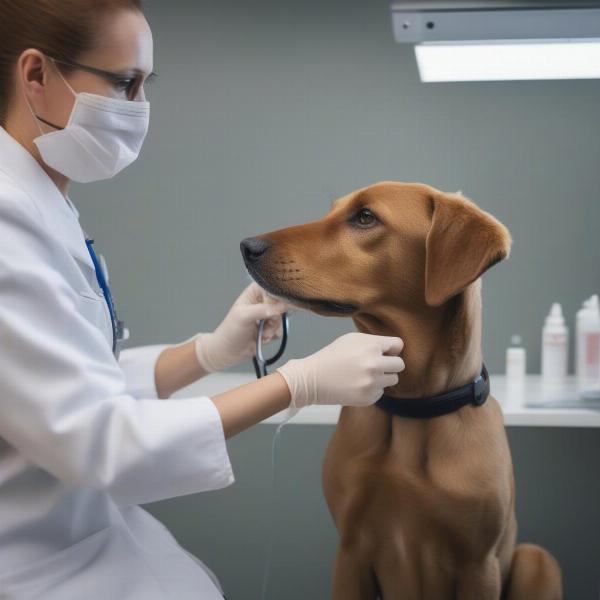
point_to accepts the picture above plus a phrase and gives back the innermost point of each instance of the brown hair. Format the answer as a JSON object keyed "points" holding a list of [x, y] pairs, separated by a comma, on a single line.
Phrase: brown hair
{"points": [[63, 29]]}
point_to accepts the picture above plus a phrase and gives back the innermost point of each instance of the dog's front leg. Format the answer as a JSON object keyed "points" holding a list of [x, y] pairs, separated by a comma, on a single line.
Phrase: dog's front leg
{"points": [[480, 581], [353, 578]]}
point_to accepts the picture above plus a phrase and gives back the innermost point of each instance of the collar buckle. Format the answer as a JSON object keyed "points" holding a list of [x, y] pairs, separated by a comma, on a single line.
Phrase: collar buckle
{"points": [[481, 388]]}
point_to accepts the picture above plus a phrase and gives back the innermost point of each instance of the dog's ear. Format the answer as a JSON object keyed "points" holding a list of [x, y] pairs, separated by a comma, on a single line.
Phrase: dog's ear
{"points": [[463, 242]]}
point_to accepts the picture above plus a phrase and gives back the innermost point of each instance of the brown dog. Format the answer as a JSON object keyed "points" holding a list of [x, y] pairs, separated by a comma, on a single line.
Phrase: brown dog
{"points": [[424, 507]]}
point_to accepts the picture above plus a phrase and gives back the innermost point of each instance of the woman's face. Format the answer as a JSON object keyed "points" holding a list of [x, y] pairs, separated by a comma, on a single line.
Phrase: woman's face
{"points": [[124, 46]]}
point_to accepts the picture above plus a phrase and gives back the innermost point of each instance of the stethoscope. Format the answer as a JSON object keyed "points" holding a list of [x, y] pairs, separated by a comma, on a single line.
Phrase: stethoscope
{"points": [[260, 363], [118, 327]]}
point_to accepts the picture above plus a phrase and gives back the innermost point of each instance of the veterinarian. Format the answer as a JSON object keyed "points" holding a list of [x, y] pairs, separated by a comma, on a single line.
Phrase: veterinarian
{"points": [[88, 433]]}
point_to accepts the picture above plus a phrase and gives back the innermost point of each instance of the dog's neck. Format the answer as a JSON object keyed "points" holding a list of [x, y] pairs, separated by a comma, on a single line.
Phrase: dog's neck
{"points": [[442, 346]]}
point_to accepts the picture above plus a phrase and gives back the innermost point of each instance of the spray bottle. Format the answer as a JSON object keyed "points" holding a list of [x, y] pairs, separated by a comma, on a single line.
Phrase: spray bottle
{"points": [[516, 361], [555, 344], [587, 348]]}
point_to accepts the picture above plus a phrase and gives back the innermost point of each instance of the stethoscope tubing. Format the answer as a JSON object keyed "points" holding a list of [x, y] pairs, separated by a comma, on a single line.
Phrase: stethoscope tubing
{"points": [[105, 291]]}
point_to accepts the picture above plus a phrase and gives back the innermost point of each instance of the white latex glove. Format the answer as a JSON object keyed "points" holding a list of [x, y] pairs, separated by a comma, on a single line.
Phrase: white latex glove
{"points": [[234, 340], [351, 371]]}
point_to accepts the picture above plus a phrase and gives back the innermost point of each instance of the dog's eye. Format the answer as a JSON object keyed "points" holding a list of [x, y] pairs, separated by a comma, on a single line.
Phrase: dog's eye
{"points": [[365, 217]]}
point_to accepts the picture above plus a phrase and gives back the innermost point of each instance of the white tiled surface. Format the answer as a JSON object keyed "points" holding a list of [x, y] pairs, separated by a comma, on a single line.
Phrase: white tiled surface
{"points": [[532, 404]]}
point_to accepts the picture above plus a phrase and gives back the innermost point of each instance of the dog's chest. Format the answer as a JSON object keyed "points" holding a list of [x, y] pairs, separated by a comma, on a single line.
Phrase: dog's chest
{"points": [[417, 499]]}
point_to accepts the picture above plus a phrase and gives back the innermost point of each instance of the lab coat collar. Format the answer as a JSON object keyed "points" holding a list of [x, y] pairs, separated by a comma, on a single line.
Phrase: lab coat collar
{"points": [[59, 216], [28, 174]]}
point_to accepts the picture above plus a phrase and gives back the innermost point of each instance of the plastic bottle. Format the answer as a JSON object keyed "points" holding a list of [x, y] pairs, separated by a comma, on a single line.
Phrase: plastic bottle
{"points": [[587, 348], [555, 344], [516, 361]]}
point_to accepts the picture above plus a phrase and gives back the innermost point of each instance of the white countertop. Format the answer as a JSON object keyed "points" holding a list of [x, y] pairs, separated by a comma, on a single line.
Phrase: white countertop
{"points": [[531, 404]]}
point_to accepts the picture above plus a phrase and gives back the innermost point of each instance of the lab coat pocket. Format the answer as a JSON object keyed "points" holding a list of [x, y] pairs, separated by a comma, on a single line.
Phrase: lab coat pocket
{"points": [[95, 310], [87, 274], [102, 565]]}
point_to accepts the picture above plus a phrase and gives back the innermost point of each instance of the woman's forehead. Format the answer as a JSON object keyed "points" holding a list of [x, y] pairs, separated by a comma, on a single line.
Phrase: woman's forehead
{"points": [[124, 42]]}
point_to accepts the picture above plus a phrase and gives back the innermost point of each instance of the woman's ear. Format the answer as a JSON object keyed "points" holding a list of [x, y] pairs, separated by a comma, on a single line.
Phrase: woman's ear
{"points": [[463, 242], [32, 68]]}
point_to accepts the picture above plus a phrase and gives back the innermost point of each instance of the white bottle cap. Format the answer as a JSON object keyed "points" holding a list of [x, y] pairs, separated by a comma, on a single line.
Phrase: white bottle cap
{"points": [[555, 317], [589, 309]]}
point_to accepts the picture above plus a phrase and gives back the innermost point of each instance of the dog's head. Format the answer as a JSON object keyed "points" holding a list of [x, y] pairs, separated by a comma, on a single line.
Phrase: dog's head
{"points": [[401, 243]]}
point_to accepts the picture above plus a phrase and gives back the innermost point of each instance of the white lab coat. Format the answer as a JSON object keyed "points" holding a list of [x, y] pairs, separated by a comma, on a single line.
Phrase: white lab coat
{"points": [[84, 438]]}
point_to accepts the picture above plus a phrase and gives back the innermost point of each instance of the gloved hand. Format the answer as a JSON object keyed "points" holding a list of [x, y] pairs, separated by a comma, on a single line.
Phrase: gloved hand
{"points": [[351, 371], [234, 340]]}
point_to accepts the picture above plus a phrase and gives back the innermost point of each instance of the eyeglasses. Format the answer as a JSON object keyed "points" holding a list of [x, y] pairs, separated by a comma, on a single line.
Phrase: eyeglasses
{"points": [[130, 85]]}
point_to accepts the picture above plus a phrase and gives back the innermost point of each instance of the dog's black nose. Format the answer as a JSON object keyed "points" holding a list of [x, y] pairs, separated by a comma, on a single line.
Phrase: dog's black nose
{"points": [[253, 248]]}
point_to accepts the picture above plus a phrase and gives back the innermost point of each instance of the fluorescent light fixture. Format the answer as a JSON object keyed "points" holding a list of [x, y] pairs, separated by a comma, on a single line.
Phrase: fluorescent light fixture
{"points": [[509, 60], [498, 40]]}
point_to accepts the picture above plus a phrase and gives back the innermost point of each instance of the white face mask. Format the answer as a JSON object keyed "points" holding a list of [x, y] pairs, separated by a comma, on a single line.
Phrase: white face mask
{"points": [[102, 137]]}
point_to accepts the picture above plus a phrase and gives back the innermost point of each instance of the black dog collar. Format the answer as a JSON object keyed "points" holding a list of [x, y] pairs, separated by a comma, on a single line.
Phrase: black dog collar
{"points": [[476, 392]]}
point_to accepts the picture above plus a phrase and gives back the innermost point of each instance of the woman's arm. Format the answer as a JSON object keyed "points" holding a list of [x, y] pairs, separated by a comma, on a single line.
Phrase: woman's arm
{"points": [[249, 404], [240, 408], [176, 367], [233, 341]]}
